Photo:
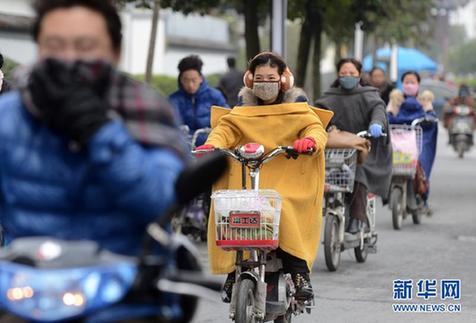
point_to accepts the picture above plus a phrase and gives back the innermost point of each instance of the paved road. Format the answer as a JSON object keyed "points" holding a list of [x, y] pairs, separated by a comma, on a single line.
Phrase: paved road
{"points": [[442, 247]]}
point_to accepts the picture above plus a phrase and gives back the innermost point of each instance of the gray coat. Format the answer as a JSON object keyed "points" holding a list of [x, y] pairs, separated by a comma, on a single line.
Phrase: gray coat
{"points": [[354, 111]]}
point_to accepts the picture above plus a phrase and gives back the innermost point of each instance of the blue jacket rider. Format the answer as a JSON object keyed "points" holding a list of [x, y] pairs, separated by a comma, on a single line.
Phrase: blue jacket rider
{"points": [[194, 98], [70, 170]]}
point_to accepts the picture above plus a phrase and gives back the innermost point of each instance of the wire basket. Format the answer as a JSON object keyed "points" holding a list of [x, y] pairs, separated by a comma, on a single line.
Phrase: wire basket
{"points": [[247, 219], [403, 163], [340, 169]]}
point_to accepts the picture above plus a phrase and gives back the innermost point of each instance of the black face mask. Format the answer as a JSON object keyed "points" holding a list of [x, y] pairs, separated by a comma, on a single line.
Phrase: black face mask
{"points": [[51, 81]]}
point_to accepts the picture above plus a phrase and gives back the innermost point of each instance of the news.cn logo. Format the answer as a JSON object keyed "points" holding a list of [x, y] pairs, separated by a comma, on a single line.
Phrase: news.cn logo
{"points": [[427, 290]]}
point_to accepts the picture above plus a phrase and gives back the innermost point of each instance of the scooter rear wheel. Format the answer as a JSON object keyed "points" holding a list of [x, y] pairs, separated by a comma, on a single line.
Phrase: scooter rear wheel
{"points": [[332, 248], [396, 201], [245, 302]]}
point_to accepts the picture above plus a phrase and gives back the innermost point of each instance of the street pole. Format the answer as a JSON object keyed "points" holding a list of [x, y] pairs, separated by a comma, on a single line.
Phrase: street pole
{"points": [[394, 63], [278, 26], [358, 41]]}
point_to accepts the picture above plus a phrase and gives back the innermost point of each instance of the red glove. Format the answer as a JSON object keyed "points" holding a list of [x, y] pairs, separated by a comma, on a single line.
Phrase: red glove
{"points": [[204, 147], [304, 145]]}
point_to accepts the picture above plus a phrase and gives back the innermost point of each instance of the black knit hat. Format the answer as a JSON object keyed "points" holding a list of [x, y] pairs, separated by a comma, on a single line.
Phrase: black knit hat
{"points": [[192, 62]]}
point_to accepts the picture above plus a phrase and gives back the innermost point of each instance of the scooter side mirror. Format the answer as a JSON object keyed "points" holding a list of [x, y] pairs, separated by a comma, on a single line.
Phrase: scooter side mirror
{"points": [[197, 178]]}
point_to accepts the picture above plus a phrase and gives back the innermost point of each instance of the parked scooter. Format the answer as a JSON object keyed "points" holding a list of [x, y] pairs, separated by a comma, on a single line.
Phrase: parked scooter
{"points": [[248, 220], [49, 280], [404, 200], [340, 174], [192, 221], [461, 129]]}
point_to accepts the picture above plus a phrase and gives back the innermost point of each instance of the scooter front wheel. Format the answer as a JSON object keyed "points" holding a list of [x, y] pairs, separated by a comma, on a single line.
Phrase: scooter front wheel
{"points": [[416, 217], [396, 201], [460, 148], [332, 245], [245, 302], [361, 253]]}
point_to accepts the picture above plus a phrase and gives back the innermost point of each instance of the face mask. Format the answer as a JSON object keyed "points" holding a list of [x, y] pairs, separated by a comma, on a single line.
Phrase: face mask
{"points": [[61, 77], [348, 82], [410, 89], [266, 91]]}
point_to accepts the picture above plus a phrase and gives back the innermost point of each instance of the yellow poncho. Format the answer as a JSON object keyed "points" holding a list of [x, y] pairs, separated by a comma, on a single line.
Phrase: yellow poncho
{"points": [[299, 182]]}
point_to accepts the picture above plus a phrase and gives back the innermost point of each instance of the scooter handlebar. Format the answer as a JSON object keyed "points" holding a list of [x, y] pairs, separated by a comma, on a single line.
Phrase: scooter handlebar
{"points": [[288, 150], [426, 119]]}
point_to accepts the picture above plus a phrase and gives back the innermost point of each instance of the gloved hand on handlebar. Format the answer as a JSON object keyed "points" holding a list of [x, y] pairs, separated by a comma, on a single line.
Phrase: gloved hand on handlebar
{"points": [[206, 147], [304, 145], [375, 130]]}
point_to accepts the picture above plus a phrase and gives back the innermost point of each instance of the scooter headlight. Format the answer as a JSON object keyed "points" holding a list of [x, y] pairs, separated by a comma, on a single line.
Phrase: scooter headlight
{"points": [[51, 295]]}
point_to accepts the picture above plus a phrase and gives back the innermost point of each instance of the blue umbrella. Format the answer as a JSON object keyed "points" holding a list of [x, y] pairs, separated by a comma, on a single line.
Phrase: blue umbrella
{"points": [[407, 59]]}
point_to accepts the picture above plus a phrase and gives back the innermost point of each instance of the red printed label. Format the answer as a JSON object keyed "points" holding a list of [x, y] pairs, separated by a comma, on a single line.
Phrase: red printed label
{"points": [[244, 219]]}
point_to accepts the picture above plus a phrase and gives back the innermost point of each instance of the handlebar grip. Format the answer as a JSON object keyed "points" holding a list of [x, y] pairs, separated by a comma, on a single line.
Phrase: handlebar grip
{"points": [[294, 153], [367, 135], [202, 151]]}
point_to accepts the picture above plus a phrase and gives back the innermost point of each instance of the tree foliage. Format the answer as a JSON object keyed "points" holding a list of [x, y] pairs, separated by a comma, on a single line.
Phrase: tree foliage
{"points": [[463, 58]]}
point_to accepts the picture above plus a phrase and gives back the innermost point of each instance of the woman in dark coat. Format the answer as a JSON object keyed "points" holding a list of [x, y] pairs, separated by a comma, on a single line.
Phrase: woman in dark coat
{"points": [[358, 107]]}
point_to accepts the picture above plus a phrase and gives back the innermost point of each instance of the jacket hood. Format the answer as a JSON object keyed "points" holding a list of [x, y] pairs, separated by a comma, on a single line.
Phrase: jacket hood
{"points": [[290, 96]]}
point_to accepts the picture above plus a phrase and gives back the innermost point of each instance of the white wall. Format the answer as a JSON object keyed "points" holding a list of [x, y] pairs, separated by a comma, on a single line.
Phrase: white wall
{"points": [[18, 47], [212, 62], [466, 16], [136, 32], [16, 7], [136, 35]]}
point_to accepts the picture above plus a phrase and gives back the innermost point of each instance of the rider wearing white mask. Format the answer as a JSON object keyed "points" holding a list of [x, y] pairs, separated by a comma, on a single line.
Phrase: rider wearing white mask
{"points": [[275, 113]]}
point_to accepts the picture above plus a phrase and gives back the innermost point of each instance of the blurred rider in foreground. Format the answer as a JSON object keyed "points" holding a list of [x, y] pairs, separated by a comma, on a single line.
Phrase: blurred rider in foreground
{"points": [[78, 158]]}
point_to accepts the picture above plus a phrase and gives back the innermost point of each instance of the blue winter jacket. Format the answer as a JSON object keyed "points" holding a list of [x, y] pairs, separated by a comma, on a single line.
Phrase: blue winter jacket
{"points": [[194, 110], [107, 193], [410, 110]]}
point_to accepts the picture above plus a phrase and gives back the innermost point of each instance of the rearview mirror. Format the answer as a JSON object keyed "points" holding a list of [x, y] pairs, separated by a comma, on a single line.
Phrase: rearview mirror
{"points": [[199, 177]]}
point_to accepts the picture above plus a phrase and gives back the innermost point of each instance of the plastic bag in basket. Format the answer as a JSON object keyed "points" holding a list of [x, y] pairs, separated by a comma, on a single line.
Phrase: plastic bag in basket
{"points": [[264, 231], [405, 149]]}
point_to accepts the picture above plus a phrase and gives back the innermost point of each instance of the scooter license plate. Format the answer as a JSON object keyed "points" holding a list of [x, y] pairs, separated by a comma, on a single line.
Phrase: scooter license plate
{"points": [[245, 219]]}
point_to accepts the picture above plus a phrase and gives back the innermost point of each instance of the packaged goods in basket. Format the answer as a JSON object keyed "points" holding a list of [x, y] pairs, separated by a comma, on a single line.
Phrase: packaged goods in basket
{"points": [[242, 215], [405, 148]]}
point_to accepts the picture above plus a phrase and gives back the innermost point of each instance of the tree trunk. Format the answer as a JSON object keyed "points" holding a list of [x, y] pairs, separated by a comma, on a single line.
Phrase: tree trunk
{"points": [[304, 49], [316, 58], [338, 50], [373, 46], [251, 29], [305, 39], [153, 37]]}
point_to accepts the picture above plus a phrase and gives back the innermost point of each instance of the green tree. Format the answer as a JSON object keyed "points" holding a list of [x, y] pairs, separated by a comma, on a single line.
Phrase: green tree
{"points": [[335, 18], [463, 59], [398, 20]]}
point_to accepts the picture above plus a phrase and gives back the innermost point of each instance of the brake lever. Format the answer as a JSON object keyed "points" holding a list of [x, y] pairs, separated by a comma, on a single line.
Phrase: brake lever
{"points": [[292, 153]]}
